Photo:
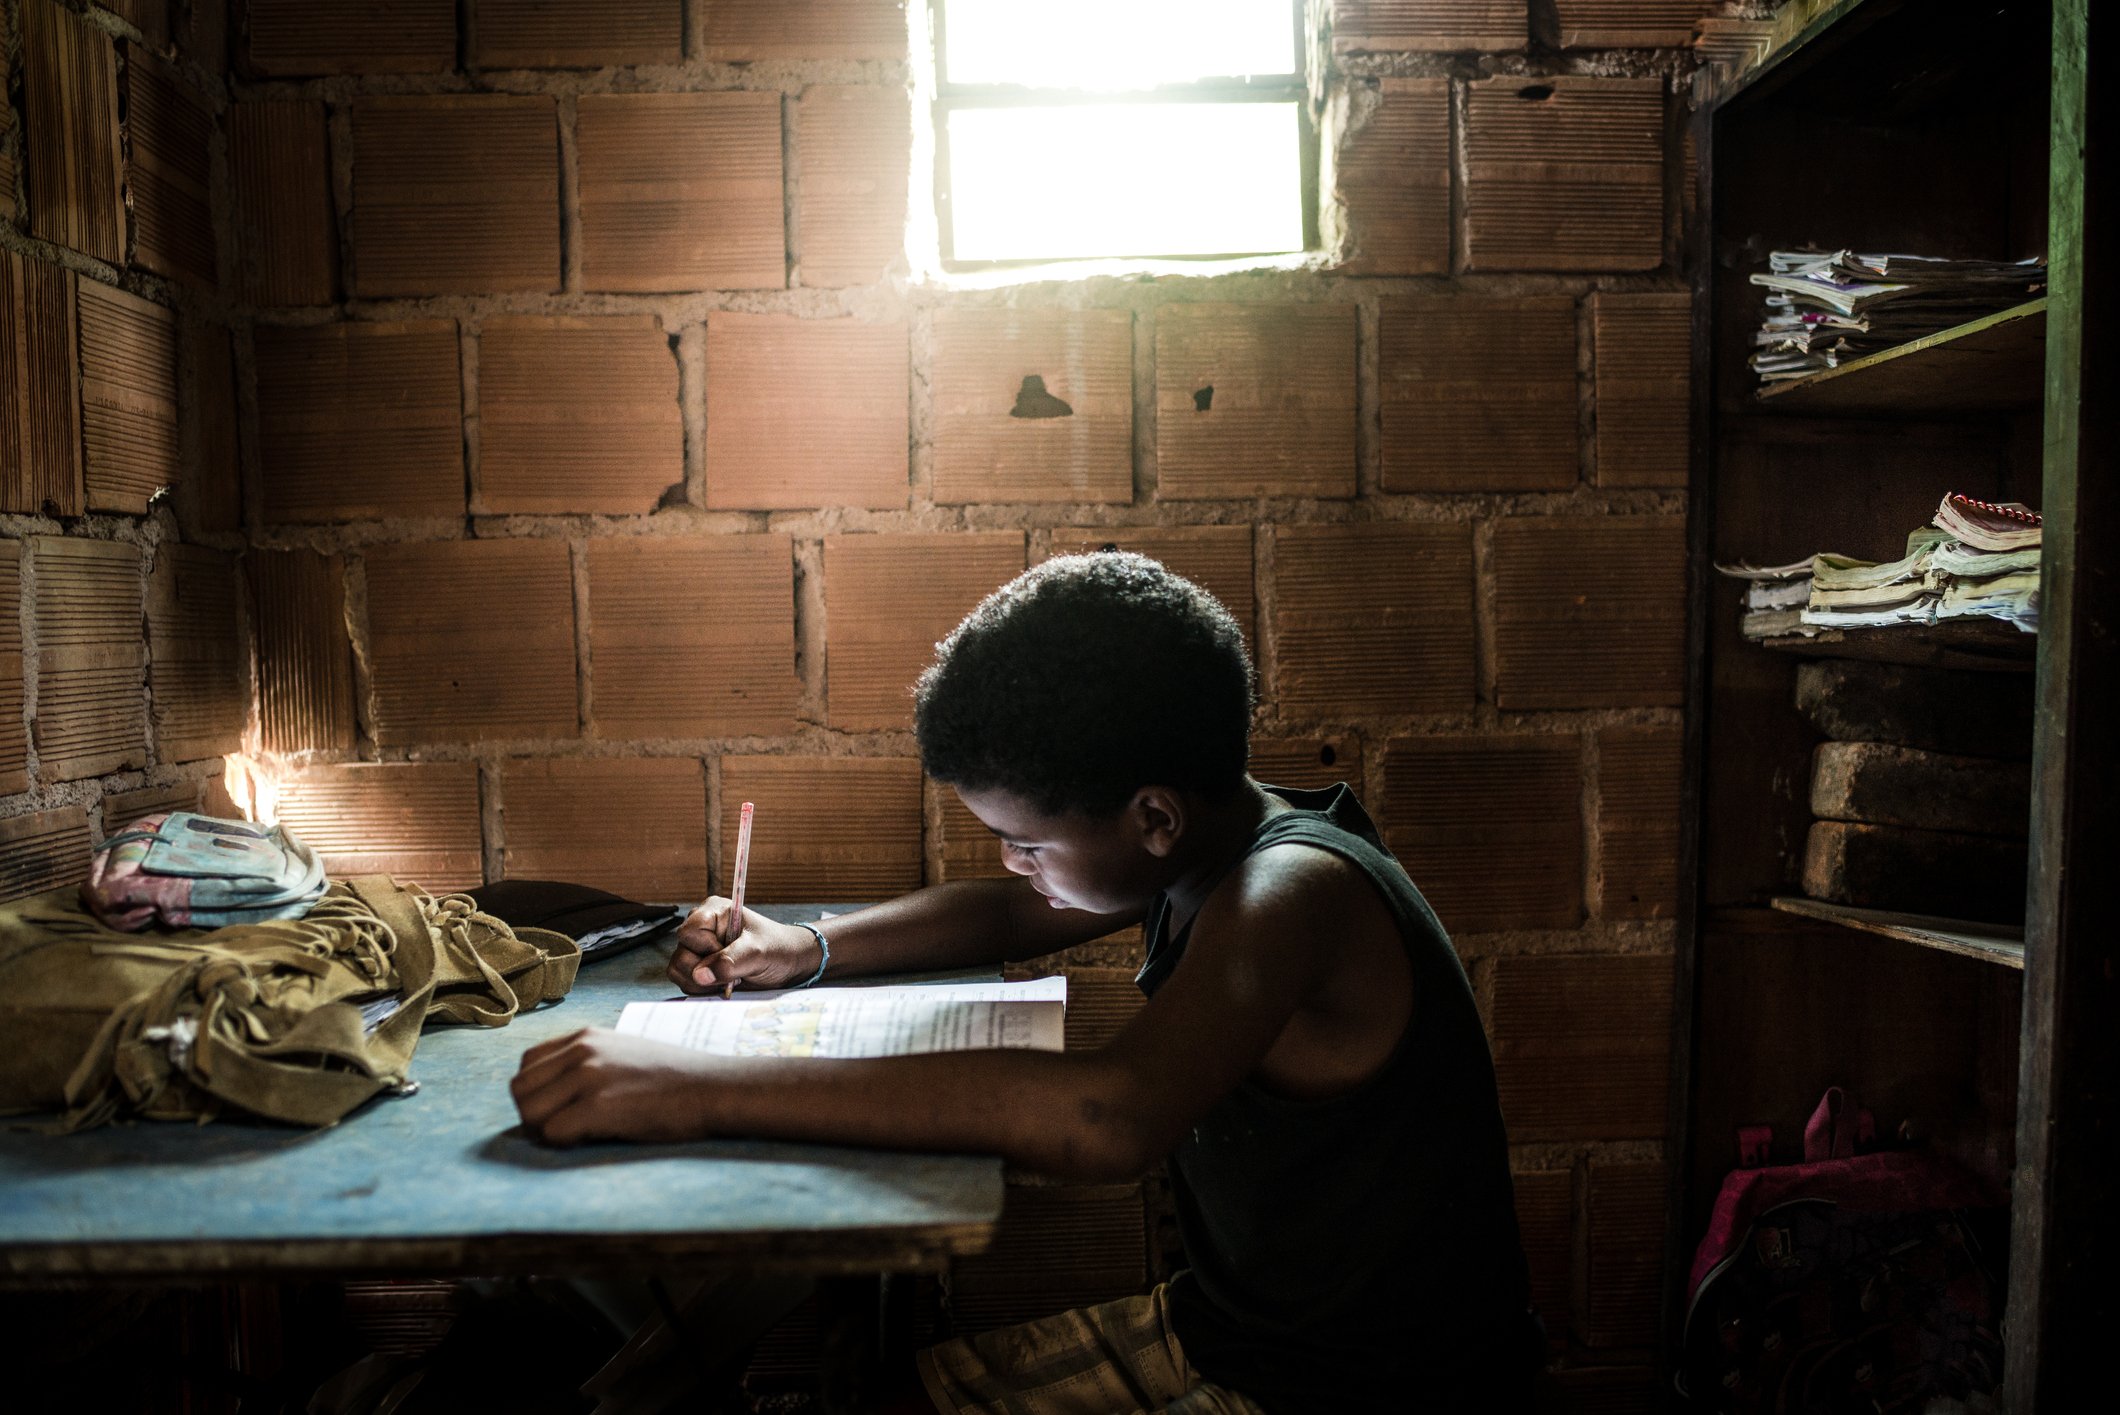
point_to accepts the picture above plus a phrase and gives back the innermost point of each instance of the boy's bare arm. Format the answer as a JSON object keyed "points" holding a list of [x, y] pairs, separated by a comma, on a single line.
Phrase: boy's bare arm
{"points": [[1258, 947], [964, 924]]}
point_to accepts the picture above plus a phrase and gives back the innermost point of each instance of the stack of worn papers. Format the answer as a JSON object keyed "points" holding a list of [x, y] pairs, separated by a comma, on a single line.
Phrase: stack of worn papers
{"points": [[1775, 596], [1826, 308], [1977, 559], [1990, 567], [1847, 593]]}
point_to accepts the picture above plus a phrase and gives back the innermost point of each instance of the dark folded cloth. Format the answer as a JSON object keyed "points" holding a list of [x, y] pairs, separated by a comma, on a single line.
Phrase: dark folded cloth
{"points": [[605, 925]]}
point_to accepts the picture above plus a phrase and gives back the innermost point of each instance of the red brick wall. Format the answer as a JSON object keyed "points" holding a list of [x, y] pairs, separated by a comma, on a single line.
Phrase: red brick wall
{"points": [[124, 658], [596, 450]]}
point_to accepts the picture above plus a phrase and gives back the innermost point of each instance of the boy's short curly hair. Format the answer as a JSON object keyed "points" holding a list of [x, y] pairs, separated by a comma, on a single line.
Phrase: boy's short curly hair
{"points": [[1085, 679]]}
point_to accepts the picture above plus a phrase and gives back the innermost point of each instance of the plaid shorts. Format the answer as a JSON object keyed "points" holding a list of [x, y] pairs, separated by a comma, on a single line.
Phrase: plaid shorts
{"points": [[1113, 1359]]}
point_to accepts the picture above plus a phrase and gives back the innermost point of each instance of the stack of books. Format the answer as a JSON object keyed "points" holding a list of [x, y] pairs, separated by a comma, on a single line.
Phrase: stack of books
{"points": [[1921, 792], [1775, 597], [1990, 566], [1826, 308], [1976, 559]]}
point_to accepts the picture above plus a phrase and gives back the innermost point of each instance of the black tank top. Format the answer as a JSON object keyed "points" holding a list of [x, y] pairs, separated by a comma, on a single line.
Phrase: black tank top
{"points": [[1358, 1252]]}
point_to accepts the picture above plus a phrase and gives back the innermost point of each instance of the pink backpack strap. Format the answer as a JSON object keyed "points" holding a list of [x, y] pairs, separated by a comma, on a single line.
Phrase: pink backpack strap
{"points": [[1838, 1129]]}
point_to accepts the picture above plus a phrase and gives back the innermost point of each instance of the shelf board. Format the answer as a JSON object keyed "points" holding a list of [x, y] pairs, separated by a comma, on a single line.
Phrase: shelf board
{"points": [[1990, 943], [1984, 645], [1992, 365]]}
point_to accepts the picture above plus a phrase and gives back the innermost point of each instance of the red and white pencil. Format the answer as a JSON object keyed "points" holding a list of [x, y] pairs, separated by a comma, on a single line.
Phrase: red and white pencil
{"points": [[743, 870]]}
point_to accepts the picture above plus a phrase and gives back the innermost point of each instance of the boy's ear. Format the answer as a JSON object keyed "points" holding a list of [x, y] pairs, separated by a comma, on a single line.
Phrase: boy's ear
{"points": [[1159, 814]]}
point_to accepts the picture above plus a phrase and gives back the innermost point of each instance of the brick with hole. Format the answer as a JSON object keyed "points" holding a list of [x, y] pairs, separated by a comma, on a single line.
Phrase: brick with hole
{"points": [[1372, 618], [210, 496], [91, 658], [1490, 827], [1033, 405], [1932, 709], [1589, 613], [743, 30], [1628, 1206], [681, 191], [1255, 400], [1946, 873], [1307, 763], [806, 413], [692, 636], [1391, 172], [577, 414], [1479, 393], [287, 236], [471, 641], [1880, 784], [538, 34], [1636, 872], [1545, 1218], [40, 446], [71, 148], [197, 657], [1390, 26], [14, 734], [828, 829], [455, 194], [888, 600], [967, 849], [298, 38], [304, 657], [1100, 1004], [169, 132], [43, 850], [1564, 173], [855, 145], [150, 17], [635, 826], [130, 444], [1644, 351], [415, 821], [1216, 558], [10, 164], [360, 421], [1582, 1045], [1630, 24], [122, 808]]}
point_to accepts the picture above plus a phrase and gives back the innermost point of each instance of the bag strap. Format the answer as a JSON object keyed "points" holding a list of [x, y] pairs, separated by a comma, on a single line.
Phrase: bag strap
{"points": [[480, 970], [1839, 1129]]}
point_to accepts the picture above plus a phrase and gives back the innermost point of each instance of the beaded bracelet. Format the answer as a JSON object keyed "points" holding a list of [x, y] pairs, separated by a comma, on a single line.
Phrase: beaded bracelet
{"points": [[824, 946]]}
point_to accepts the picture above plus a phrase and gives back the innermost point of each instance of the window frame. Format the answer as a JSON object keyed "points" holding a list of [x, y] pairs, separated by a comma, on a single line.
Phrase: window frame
{"points": [[1292, 88]]}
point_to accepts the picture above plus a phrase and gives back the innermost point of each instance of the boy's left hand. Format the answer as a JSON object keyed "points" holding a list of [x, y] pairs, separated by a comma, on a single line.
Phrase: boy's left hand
{"points": [[600, 1085]]}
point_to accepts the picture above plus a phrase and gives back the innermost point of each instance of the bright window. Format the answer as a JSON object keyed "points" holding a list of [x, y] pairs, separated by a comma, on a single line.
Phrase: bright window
{"points": [[1140, 128]]}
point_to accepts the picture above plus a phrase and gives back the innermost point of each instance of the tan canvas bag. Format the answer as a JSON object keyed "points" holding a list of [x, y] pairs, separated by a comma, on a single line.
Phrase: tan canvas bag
{"points": [[299, 1020]]}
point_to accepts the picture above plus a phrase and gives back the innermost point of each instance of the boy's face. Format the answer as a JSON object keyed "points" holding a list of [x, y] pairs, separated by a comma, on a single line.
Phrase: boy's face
{"points": [[1105, 864]]}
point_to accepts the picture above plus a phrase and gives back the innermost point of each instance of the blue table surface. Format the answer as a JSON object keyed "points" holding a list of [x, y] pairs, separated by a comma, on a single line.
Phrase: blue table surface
{"points": [[441, 1177]]}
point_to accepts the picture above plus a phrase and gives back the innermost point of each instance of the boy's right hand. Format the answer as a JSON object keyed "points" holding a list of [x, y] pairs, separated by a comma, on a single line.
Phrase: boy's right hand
{"points": [[714, 949]]}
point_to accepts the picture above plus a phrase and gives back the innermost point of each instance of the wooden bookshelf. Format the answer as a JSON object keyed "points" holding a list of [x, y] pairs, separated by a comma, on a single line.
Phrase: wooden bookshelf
{"points": [[1991, 943], [1955, 128], [1991, 365], [1983, 645]]}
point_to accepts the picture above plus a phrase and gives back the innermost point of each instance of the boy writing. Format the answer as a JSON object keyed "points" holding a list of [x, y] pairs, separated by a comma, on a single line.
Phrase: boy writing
{"points": [[1309, 1059]]}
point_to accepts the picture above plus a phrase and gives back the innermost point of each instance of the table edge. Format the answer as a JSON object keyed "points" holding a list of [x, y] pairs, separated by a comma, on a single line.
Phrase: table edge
{"points": [[926, 1248]]}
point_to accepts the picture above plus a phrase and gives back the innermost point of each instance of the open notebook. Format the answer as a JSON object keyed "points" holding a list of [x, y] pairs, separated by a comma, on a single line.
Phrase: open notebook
{"points": [[848, 1022]]}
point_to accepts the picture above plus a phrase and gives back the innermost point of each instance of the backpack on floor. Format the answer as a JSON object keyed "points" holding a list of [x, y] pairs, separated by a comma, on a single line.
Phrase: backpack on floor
{"points": [[1848, 1283]]}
